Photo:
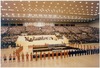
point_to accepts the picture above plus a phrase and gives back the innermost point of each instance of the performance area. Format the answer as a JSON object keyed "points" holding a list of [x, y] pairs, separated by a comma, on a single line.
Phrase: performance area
{"points": [[40, 40], [49, 33], [28, 42], [55, 58]]}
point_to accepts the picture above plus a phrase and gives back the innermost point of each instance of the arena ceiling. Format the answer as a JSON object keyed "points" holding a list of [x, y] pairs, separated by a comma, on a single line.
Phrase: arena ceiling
{"points": [[50, 11]]}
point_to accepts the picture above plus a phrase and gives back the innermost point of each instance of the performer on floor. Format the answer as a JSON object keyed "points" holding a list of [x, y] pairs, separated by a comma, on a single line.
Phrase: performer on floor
{"points": [[5, 58], [10, 57], [14, 57], [22, 57], [27, 57], [31, 57]]}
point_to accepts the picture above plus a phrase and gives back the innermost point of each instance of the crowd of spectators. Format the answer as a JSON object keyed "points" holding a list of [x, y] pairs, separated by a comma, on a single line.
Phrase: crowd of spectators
{"points": [[33, 30], [61, 29], [8, 41], [16, 30], [4, 29], [47, 30], [73, 33]]}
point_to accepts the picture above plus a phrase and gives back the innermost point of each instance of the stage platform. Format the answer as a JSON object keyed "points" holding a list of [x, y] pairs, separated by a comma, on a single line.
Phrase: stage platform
{"points": [[39, 40]]}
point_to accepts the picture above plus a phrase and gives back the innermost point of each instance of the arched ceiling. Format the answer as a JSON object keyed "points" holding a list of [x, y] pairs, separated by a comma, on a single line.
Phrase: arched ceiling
{"points": [[50, 11]]}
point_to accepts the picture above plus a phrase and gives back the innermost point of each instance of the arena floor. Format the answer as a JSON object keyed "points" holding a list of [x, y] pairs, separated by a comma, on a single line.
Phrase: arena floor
{"points": [[79, 61], [76, 61]]}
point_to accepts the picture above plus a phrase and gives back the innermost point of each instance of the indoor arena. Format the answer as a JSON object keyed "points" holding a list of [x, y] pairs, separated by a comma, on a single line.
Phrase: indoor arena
{"points": [[49, 33]]}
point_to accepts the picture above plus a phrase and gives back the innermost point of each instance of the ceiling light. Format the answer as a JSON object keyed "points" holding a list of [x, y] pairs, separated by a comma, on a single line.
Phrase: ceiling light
{"points": [[36, 5], [43, 2], [7, 18], [70, 5], [75, 5], [64, 4], [87, 12], [91, 9], [86, 2], [29, 1], [50, 2], [73, 1], [55, 6], [17, 10], [15, 7], [6, 13], [18, 14], [77, 8], [42, 5], [23, 10], [91, 12], [20, 0], [29, 5], [6, 3], [96, 7], [91, 6], [36, 1], [23, 14], [14, 4], [57, 3], [81, 6], [49, 6], [21, 4], [3, 15], [86, 6], [12, 13], [8, 6], [92, 3]]}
